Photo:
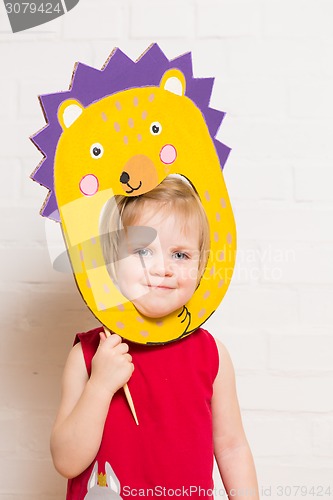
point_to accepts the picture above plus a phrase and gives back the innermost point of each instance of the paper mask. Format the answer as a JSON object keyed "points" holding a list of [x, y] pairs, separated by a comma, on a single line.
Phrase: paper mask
{"points": [[122, 130]]}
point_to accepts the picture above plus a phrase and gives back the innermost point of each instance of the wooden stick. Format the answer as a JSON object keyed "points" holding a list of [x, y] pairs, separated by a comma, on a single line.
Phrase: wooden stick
{"points": [[126, 389], [130, 403]]}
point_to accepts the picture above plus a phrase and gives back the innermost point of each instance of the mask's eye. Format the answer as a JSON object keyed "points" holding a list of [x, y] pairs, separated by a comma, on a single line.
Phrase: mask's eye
{"points": [[155, 128], [96, 150]]}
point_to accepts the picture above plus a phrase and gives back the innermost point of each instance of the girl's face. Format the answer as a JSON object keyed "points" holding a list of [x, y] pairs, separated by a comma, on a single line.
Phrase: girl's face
{"points": [[161, 277]]}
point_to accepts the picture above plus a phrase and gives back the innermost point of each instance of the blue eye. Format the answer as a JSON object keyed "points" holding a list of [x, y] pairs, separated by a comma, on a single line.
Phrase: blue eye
{"points": [[143, 252], [180, 256]]}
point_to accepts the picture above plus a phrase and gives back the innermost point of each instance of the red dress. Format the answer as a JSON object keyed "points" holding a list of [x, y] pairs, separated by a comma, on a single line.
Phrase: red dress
{"points": [[170, 453]]}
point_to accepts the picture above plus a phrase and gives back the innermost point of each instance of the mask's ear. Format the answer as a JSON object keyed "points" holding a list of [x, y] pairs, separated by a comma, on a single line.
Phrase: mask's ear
{"points": [[174, 81], [68, 112]]}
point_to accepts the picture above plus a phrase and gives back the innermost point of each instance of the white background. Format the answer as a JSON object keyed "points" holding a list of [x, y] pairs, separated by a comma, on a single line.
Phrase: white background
{"points": [[273, 62]]}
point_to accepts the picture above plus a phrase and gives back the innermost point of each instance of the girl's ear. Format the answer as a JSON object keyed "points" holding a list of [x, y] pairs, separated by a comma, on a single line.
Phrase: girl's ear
{"points": [[68, 112], [174, 81]]}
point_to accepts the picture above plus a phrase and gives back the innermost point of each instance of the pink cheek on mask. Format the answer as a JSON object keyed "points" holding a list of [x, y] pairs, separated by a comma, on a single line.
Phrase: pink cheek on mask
{"points": [[168, 154], [89, 185]]}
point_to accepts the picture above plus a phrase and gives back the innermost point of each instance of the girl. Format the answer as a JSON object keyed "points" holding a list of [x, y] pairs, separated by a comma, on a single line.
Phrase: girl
{"points": [[184, 391]]}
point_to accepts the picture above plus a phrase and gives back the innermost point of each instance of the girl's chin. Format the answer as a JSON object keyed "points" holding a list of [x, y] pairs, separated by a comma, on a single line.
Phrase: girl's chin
{"points": [[155, 313]]}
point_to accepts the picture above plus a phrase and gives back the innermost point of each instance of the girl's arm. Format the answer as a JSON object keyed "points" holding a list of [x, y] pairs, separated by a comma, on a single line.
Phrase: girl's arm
{"points": [[232, 452], [79, 425]]}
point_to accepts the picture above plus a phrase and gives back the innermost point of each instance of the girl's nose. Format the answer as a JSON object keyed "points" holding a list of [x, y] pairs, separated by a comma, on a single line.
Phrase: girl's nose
{"points": [[161, 267]]}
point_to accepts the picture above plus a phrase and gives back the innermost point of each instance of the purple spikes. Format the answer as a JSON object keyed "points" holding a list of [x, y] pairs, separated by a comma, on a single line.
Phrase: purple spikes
{"points": [[200, 90], [222, 152]]}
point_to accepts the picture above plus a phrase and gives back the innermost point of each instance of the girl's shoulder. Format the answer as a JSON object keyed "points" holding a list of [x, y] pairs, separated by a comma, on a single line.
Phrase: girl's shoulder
{"points": [[89, 342], [209, 348], [88, 337]]}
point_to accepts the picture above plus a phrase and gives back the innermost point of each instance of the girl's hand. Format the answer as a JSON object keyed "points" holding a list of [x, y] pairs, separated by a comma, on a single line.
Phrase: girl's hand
{"points": [[112, 365]]}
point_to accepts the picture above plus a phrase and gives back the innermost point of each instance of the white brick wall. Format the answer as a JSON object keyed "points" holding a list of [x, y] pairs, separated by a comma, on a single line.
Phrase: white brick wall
{"points": [[274, 77], [228, 18]]}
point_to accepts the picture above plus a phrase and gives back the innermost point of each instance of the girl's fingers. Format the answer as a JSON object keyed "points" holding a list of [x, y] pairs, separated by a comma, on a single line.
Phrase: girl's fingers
{"points": [[122, 348], [102, 336], [112, 340], [115, 342]]}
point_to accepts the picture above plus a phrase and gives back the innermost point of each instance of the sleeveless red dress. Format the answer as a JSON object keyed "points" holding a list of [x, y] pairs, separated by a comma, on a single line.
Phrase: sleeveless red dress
{"points": [[170, 453]]}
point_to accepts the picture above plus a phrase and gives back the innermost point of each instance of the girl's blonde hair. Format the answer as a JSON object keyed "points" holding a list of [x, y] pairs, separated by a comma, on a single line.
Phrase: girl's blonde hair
{"points": [[172, 195]]}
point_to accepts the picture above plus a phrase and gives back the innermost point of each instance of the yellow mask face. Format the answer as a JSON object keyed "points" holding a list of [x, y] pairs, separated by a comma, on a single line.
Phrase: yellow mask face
{"points": [[147, 133]]}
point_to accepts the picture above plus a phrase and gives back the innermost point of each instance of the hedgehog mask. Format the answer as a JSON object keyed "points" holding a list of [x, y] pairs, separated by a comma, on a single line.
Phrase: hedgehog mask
{"points": [[121, 131]]}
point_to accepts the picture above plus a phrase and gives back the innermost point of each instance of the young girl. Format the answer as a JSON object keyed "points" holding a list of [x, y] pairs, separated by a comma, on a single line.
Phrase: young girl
{"points": [[184, 392]]}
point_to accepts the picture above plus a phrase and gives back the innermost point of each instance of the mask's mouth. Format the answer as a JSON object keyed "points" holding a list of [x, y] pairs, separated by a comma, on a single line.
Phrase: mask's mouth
{"points": [[132, 189]]}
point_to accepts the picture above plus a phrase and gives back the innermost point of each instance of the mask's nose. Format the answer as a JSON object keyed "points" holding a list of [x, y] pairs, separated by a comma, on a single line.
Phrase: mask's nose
{"points": [[124, 178]]}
